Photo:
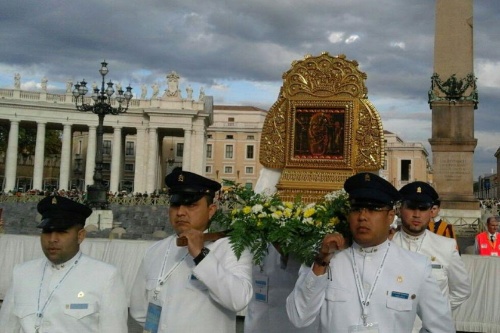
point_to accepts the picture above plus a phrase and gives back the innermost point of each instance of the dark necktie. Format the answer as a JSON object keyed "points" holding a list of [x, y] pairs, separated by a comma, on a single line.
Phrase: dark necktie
{"points": [[492, 238]]}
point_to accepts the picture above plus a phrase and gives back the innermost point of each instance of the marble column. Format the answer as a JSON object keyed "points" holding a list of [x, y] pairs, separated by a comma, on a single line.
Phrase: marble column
{"points": [[140, 165], [116, 160], [186, 154], [39, 156], [65, 167], [90, 160], [11, 158], [151, 175], [198, 148]]}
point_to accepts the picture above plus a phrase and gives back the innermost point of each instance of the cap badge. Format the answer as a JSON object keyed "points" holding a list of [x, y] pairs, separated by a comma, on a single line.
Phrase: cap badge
{"points": [[180, 178], [419, 189], [367, 177], [54, 201]]}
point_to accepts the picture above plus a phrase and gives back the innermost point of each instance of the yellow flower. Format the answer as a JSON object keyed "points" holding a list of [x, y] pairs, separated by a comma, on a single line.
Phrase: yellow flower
{"points": [[309, 212], [247, 210], [333, 221], [288, 212], [276, 215], [235, 211], [288, 204], [259, 224]]}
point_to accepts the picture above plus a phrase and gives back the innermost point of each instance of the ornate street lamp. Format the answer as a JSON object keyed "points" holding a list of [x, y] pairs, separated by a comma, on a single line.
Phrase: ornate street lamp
{"points": [[96, 193]]}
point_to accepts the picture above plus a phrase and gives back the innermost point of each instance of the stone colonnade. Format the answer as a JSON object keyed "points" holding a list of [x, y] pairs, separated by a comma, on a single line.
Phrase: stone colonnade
{"points": [[148, 120]]}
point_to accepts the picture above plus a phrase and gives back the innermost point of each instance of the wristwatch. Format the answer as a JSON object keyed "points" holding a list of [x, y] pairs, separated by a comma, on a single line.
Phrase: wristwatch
{"points": [[201, 256], [319, 261]]}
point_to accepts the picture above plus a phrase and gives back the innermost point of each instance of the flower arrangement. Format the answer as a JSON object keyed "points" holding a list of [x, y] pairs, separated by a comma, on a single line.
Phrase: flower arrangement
{"points": [[256, 220]]}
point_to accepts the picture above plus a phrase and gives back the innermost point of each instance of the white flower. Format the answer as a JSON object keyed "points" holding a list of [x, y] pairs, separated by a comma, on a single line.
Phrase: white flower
{"points": [[311, 205], [308, 220], [257, 208], [335, 194]]}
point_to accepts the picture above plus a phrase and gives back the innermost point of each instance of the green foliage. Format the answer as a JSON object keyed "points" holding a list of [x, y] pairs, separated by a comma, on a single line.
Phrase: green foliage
{"points": [[27, 140], [257, 220], [4, 137], [53, 143]]}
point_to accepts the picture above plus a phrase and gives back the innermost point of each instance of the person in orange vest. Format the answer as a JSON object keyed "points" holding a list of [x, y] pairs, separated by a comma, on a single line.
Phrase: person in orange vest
{"points": [[487, 242], [439, 226]]}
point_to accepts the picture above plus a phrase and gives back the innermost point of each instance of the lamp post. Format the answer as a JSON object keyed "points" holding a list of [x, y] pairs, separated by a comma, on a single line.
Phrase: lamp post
{"points": [[96, 193]]}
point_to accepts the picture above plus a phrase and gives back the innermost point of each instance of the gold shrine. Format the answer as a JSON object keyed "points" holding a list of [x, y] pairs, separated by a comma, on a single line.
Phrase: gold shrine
{"points": [[322, 129]]}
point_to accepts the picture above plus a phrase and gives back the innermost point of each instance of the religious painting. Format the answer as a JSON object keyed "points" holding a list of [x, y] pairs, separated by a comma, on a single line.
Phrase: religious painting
{"points": [[319, 134]]}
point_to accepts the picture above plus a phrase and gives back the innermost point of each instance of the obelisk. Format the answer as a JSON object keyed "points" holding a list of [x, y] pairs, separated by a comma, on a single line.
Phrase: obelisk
{"points": [[453, 99]]}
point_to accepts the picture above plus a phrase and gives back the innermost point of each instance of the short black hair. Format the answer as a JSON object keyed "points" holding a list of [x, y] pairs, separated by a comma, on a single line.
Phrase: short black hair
{"points": [[496, 218]]}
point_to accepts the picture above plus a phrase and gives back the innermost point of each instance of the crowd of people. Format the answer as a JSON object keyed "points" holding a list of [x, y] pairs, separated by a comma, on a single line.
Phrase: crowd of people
{"points": [[78, 194], [490, 204], [376, 281]]}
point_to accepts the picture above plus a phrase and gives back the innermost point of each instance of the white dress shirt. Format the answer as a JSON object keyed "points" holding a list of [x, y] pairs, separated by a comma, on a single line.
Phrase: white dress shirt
{"points": [[81, 295], [202, 298], [405, 288]]}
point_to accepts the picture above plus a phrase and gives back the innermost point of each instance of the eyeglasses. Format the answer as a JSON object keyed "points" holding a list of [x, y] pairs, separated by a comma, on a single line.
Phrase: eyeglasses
{"points": [[369, 210], [412, 205]]}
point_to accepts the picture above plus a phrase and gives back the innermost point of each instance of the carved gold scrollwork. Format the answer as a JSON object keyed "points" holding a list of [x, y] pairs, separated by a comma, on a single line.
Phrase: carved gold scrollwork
{"points": [[369, 138], [322, 128], [272, 142], [325, 76]]}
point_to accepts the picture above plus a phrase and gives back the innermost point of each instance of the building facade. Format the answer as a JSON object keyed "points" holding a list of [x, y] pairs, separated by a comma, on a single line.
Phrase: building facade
{"points": [[405, 162], [231, 151], [140, 146], [147, 123], [233, 142]]}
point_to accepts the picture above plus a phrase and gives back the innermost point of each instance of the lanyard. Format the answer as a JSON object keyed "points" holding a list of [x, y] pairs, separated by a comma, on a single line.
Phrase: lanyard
{"points": [[40, 312], [163, 278], [365, 300]]}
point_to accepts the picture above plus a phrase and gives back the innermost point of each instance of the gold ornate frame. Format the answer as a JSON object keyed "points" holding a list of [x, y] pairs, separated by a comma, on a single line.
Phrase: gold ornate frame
{"points": [[317, 93]]}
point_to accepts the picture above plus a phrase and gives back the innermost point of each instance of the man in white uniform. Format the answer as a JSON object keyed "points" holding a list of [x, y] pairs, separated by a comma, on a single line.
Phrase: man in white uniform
{"points": [[373, 285], [195, 288], [66, 291], [447, 266]]}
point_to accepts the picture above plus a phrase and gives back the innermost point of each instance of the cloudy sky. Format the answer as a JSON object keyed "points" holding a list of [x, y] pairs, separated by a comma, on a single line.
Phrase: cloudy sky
{"points": [[237, 50]]}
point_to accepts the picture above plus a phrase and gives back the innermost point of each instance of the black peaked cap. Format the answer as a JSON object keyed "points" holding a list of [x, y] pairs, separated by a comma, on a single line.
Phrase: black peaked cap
{"points": [[186, 187], [61, 213], [369, 188]]}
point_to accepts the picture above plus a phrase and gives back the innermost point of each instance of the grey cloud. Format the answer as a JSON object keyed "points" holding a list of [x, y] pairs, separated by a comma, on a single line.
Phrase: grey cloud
{"points": [[217, 40]]}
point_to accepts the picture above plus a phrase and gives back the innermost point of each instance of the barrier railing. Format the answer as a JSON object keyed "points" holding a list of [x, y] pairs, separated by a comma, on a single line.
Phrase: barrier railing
{"points": [[161, 200]]}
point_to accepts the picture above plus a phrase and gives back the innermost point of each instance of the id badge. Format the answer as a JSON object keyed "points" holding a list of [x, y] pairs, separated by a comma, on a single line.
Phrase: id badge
{"points": [[494, 254], [152, 319], [370, 328], [261, 287]]}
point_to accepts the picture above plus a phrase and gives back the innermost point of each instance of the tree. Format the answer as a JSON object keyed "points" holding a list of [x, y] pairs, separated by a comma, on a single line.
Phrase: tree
{"points": [[27, 140]]}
